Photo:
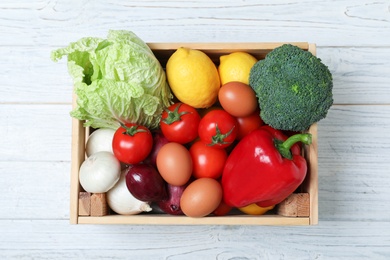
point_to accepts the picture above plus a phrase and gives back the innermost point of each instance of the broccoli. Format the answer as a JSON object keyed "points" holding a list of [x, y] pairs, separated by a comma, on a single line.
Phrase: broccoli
{"points": [[294, 88]]}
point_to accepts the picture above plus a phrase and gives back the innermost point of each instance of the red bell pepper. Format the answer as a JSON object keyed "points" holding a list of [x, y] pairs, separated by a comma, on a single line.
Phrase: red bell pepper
{"points": [[264, 168]]}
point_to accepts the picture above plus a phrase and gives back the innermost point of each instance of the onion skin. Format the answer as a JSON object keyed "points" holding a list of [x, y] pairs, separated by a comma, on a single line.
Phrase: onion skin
{"points": [[121, 201], [99, 172], [158, 141], [145, 183], [171, 205], [100, 140]]}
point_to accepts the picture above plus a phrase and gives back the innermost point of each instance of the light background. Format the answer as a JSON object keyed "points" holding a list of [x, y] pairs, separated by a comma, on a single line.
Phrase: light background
{"points": [[353, 39]]}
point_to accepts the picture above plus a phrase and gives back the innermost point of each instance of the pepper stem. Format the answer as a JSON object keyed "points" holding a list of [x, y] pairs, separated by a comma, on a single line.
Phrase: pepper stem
{"points": [[284, 147]]}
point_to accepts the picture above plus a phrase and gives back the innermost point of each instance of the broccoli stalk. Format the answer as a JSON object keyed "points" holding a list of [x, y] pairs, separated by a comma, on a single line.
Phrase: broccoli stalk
{"points": [[294, 88]]}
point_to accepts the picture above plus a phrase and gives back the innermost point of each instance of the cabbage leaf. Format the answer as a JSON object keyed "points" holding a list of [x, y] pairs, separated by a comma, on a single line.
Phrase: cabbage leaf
{"points": [[116, 80]]}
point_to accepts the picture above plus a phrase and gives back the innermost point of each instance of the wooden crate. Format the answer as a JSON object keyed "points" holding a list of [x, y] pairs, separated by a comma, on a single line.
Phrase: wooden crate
{"points": [[297, 210]]}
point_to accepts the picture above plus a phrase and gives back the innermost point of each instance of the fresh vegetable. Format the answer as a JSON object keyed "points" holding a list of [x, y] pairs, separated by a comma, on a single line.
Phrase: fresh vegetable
{"points": [[174, 163], [207, 161], [222, 209], [201, 197], [117, 79], [263, 169], [145, 183], [179, 123], [99, 172], [238, 99], [159, 140], [99, 140], [121, 201], [294, 88], [171, 205], [218, 128], [247, 124], [254, 209], [132, 143]]}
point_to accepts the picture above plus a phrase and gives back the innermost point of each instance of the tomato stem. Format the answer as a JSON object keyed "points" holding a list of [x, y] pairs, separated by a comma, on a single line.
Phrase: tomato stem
{"points": [[132, 130], [174, 116], [219, 138]]}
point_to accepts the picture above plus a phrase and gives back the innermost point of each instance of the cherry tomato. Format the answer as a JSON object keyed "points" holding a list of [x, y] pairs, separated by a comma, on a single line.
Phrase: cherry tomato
{"points": [[218, 129], [248, 124], [207, 161], [179, 123], [132, 143]]}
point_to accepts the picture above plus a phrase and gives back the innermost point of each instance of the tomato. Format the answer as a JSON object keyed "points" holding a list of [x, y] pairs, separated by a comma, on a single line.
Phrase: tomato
{"points": [[248, 124], [179, 123], [238, 99], [223, 209], [218, 129], [207, 161], [254, 209], [132, 143], [203, 111]]}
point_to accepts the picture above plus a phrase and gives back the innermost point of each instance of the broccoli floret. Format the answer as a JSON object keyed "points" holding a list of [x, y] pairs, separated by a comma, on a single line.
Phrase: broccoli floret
{"points": [[294, 88]]}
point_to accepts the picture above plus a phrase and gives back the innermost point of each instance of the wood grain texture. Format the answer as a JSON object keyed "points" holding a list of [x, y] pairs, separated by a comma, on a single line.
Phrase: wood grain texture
{"points": [[56, 239], [352, 38], [331, 23]]}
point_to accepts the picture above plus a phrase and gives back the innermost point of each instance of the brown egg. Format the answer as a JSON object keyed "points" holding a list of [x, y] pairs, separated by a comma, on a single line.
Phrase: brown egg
{"points": [[174, 163], [201, 197], [238, 99]]}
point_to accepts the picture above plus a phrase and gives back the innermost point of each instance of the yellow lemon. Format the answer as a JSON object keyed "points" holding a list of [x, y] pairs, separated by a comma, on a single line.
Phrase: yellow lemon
{"points": [[254, 209], [193, 77], [235, 66]]}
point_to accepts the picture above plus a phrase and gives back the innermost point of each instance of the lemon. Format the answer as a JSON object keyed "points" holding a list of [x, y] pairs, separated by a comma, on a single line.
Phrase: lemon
{"points": [[193, 77], [235, 66], [254, 209]]}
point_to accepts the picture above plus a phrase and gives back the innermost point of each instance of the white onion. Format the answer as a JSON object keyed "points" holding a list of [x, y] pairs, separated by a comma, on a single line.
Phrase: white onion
{"points": [[99, 172], [120, 200], [100, 140]]}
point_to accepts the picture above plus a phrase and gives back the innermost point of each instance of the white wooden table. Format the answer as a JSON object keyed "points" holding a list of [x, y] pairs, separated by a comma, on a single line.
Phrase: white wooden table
{"points": [[353, 39]]}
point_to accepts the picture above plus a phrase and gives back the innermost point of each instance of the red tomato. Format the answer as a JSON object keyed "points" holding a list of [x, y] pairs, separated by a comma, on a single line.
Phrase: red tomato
{"points": [[223, 209], [207, 161], [132, 143], [248, 124], [218, 129], [179, 123]]}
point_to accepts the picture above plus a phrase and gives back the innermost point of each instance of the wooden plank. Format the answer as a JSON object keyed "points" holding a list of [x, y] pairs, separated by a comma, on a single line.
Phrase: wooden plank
{"points": [[360, 75], [99, 205], [56, 239], [154, 219], [45, 128], [350, 23], [84, 208], [296, 205], [78, 157], [310, 184]]}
